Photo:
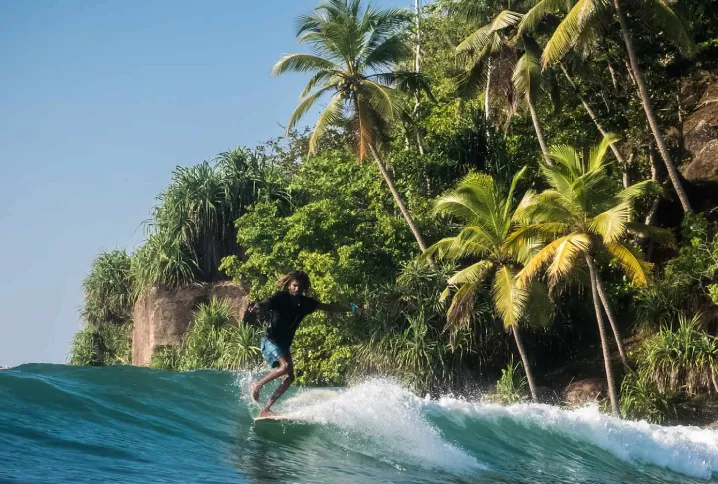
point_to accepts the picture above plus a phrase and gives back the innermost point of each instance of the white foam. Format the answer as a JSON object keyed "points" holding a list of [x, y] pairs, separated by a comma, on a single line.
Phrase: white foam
{"points": [[388, 417], [687, 450]]}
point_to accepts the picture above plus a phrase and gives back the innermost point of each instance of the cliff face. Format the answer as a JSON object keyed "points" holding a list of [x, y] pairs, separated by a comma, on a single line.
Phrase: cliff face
{"points": [[700, 134], [161, 317]]}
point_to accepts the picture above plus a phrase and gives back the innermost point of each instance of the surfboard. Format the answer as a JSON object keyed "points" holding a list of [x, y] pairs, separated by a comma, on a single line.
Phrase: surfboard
{"points": [[277, 418]]}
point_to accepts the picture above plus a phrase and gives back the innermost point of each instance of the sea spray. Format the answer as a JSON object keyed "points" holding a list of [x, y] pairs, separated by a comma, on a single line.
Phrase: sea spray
{"points": [[687, 450], [388, 419]]}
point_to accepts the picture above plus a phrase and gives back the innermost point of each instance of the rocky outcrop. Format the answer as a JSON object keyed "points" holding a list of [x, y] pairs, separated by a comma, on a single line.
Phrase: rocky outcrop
{"points": [[581, 392], [161, 317], [700, 136]]}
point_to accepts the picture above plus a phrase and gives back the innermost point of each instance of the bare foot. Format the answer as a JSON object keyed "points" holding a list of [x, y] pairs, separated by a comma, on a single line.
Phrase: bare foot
{"points": [[255, 392], [268, 413]]}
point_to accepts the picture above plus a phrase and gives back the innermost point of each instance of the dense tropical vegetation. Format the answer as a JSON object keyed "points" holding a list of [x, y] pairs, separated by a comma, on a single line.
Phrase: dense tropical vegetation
{"points": [[527, 187]]}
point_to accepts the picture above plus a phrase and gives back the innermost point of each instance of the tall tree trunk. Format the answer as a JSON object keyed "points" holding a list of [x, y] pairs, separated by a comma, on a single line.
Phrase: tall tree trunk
{"points": [[593, 117], [650, 217], [648, 108], [417, 68], [611, 319], [525, 361], [398, 199], [539, 133], [487, 90], [614, 81], [602, 332], [417, 57]]}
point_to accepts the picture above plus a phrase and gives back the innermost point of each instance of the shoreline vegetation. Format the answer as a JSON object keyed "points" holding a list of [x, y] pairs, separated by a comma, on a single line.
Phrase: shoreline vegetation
{"points": [[521, 195]]}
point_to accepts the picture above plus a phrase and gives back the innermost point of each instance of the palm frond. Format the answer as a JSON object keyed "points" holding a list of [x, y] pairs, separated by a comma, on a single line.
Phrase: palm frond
{"points": [[474, 274], [537, 13], [304, 106], [576, 242], [331, 115], [303, 63], [598, 152], [382, 98], [611, 224], [509, 299], [573, 246], [631, 261], [661, 236], [539, 306], [527, 76], [567, 33], [673, 26]]}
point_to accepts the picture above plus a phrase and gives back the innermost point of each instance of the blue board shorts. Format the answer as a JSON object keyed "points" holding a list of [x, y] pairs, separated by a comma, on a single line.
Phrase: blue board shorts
{"points": [[271, 352]]}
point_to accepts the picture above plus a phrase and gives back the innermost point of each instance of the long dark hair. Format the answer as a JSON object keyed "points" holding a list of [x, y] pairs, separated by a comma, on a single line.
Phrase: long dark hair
{"points": [[300, 276]]}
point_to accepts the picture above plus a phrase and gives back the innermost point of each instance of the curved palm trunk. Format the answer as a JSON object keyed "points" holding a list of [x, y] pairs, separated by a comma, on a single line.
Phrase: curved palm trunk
{"points": [[398, 199], [648, 108], [611, 320], [593, 116], [525, 361], [539, 133], [602, 331], [487, 91]]}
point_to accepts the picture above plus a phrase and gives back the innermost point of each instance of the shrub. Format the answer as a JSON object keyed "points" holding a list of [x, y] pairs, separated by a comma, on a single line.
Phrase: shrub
{"points": [[682, 359], [213, 341], [103, 344], [642, 400], [511, 388], [108, 289], [165, 358]]}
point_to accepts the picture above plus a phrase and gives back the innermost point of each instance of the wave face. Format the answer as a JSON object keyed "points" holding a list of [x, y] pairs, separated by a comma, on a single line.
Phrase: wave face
{"points": [[127, 424]]}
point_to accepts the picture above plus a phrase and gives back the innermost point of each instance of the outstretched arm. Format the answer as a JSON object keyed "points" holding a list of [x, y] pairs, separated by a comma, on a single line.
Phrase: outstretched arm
{"points": [[339, 308]]}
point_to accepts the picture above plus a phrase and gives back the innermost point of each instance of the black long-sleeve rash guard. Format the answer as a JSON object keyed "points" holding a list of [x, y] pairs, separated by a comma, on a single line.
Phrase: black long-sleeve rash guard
{"points": [[287, 312]]}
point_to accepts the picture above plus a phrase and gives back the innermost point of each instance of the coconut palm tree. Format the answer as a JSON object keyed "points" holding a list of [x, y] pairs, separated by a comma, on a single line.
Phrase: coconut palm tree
{"points": [[583, 17], [489, 214], [497, 41], [582, 216], [354, 59]]}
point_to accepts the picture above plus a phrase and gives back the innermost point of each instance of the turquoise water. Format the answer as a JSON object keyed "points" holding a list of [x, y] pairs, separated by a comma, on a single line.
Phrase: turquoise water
{"points": [[127, 424]]}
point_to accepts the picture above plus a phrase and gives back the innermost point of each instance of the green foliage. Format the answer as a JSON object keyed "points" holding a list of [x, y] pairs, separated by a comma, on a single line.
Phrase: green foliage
{"points": [[103, 344], [681, 359], [108, 289], [165, 358], [322, 352], [511, 388], [192, 228], [687, 283], [642, 400], [403, 336], [214, 340]]}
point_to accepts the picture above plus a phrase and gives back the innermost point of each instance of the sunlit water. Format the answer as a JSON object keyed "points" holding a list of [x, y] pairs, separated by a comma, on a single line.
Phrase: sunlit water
{"points": [[127, 424]]}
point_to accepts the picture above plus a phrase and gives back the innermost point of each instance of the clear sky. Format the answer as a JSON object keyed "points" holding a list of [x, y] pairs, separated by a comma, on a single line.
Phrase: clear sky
{"points": [[99, 101]]}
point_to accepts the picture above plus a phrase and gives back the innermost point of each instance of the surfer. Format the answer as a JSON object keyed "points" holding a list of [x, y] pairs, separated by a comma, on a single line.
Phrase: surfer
{"points": [[287, 308]]}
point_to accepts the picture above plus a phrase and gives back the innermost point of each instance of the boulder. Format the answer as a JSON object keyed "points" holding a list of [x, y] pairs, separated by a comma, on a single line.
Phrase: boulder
{"points": [[161, 317], [581, 392], [700, 136]]}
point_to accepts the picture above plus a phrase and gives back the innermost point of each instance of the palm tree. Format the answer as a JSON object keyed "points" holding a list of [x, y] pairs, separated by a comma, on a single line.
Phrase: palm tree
{"points": [[354, 57], [580, 217], [582, 18], [489, 214], [498, 40]]}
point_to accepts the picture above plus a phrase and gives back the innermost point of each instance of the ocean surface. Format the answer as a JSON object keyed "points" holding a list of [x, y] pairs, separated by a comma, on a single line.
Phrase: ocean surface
{"points": [[127, 424]]}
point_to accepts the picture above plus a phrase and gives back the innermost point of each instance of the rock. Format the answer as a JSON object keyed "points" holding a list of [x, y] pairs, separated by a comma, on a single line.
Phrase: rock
{"points": [[161, 317], [581, 392], [700, 136], [704, 166]]}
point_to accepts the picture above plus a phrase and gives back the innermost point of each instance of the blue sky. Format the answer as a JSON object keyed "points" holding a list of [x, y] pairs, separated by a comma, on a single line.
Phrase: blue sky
{"points": [[99, 101]]}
